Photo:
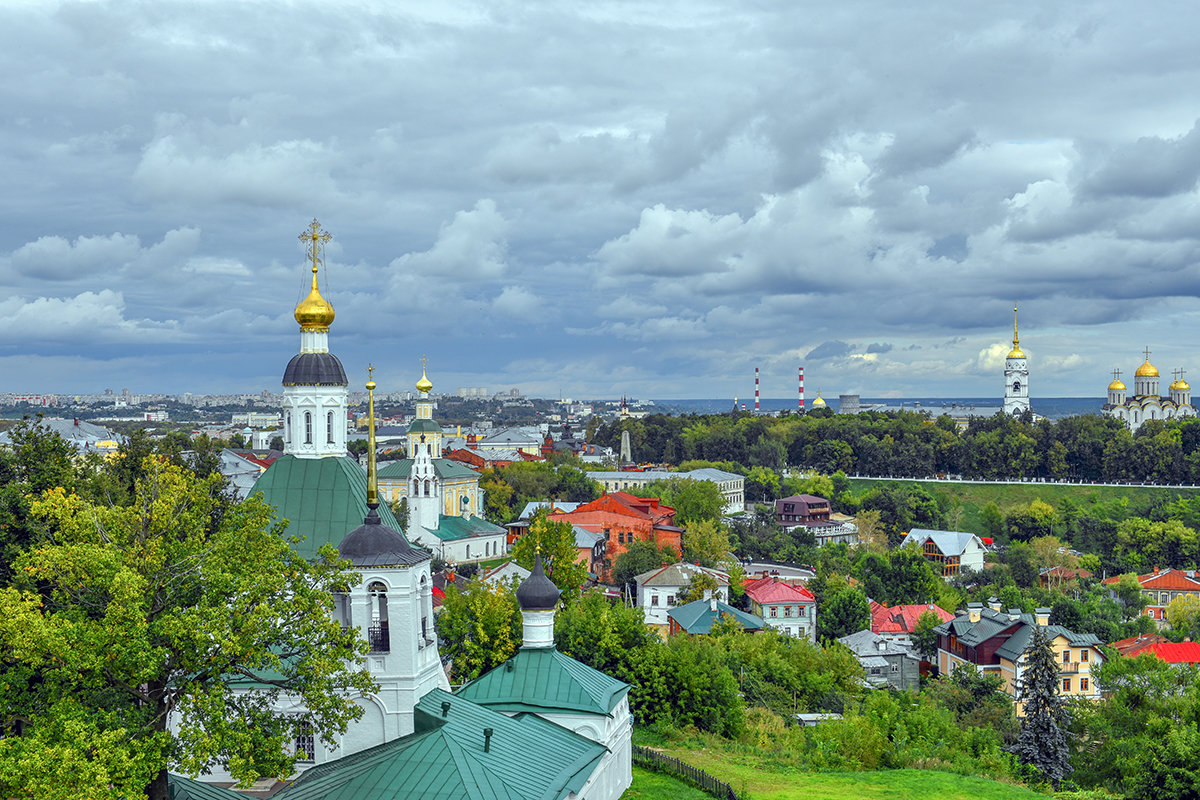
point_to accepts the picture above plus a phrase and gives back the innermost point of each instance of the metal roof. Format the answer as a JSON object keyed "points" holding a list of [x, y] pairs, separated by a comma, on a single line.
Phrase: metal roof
{"points": [[527, 757], [543, 679], [699, 616], [181, 788], [323, 499], [446, 468], [314, 369], [951, 543], [451, 529]]}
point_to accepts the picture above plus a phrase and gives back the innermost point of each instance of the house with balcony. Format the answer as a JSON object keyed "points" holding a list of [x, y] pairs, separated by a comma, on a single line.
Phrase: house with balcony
{"points": [[997, 643], [950, 552]]}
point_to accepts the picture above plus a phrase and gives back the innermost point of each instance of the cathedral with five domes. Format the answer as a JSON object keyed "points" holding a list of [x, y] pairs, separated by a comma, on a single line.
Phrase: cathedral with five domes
{"points": [[1145, 402]]}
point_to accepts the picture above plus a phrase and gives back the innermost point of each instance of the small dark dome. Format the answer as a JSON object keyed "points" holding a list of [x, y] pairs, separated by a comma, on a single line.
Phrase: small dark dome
{"points": [[374, 544], [314, 369], [537, 592]]}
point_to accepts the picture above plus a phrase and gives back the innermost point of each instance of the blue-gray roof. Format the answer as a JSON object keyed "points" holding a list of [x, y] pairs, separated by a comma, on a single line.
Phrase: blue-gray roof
{"points": [[951, 543], [699, 616]]}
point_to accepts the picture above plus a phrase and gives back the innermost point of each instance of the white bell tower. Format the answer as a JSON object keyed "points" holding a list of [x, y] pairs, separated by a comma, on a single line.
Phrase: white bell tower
{"points": [[1016, 377]]}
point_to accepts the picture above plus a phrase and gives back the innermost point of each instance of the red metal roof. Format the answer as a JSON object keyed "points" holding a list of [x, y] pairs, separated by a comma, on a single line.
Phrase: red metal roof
{"points": [[1164, 580], [902, 618], [1173, 652], [773, 590]]}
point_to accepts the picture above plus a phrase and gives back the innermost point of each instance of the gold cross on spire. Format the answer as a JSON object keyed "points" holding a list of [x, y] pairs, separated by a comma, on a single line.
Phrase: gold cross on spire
{"points": [[424, 362], [314, 242]]}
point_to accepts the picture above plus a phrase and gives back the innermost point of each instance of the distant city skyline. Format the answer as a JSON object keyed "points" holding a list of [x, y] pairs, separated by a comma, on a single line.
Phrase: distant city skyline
{"points": [[601, 200]]}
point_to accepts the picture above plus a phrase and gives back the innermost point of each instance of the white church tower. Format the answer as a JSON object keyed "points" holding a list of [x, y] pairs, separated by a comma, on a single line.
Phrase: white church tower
{"points": [[315, 393], [425, 485], [393, 608], [1016, 377]]}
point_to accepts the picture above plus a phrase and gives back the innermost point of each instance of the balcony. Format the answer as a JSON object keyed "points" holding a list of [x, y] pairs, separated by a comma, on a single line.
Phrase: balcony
{"points": [[1070, 667], [378, 638]]}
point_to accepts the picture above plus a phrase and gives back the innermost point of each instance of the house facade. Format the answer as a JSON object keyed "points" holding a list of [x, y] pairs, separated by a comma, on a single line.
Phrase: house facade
{"points": [[1162, 586], [885, 663], [897, 623], [625, 519], [658, 589], [950, 552], [788, 608], [997, 643]]}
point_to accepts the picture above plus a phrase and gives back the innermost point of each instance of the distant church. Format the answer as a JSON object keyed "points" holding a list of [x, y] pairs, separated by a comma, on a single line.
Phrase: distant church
{"points": [[1145, 402], [541, 725], [1016, 377]]}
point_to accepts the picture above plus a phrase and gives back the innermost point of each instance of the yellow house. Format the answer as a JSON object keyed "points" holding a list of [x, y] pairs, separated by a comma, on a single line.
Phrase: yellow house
{"points": [[997, 643]]}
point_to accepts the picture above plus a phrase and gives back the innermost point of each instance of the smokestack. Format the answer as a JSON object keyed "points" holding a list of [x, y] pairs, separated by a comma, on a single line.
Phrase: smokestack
{"points": [[756, 390], [802, 388]]}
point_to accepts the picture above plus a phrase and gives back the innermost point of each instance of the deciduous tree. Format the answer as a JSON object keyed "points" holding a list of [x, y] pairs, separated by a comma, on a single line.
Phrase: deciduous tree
{"points": [[556, 542]]}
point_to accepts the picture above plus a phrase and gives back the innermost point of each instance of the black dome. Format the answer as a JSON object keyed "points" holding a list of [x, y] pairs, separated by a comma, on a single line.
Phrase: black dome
{"points": [[374, 544], [537, 592], [314, 369]]}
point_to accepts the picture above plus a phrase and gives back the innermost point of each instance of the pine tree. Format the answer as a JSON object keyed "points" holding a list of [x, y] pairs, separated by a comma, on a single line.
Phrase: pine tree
{"points": [[1042, 743]]}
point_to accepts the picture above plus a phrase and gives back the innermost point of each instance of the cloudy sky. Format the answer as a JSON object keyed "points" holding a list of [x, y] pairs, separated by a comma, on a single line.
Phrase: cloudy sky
{"points": [[604, 198]]}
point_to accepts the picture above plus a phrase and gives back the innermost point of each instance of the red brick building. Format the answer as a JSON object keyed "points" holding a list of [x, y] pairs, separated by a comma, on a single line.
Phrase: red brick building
{"points": [[625, 519]]}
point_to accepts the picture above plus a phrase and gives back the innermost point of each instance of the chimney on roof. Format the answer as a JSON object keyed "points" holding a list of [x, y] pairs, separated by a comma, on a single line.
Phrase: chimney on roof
{"points": [[445, 708], [1014, 614], [712, 603], [994, 603], [487, 740], [77, 422], [973, 611], [1042, 616]]}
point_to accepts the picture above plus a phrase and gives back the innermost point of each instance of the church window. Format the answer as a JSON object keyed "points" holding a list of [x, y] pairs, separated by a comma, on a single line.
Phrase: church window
{"points": [[329, 427], [1016, 386], [377, 631], [427, 488], [468, 550], [306, 745], [308, 427], [287, 422]]}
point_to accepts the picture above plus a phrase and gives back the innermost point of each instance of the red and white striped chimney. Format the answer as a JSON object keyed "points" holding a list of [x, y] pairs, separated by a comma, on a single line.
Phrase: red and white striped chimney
{"points": [[756, 390], [802, 388]]}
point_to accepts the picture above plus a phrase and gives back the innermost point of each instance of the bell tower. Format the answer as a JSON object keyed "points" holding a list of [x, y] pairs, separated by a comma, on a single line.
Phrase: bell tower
{"points": [[1016, 377]]}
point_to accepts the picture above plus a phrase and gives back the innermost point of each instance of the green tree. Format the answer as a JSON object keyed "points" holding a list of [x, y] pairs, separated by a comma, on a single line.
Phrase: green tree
{"points": [[706, 543], [1042, 743], [556, 542], [1129, 592], [638, 558], [1183, 613], [844, 612], [693, 501], [700, 586], [925, 640], [125, 615], [478, 628]]}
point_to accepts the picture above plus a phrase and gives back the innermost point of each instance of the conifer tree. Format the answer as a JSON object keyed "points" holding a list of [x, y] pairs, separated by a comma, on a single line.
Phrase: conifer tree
{"points": [[1042, 743]]}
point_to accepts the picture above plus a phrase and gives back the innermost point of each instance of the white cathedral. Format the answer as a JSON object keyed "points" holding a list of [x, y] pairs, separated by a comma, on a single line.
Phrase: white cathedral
{"points": [[541, 725], [1145, 402]]}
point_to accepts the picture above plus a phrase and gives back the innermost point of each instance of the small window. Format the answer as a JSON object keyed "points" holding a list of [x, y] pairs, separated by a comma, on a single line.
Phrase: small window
{"points": [[1066, 684], [329, 428], [895, 668], [1066, 656], [670, 599], [308, 427], [1163, 598], [774, 611], [306, 745], [1083, 684]]}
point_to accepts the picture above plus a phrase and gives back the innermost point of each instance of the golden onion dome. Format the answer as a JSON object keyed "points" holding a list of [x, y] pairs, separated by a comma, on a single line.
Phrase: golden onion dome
{"points": [[818, 403], [1116, 386], [1015, 353], [424, 385], [1182, 385], [314, 313], [1147, 370]]}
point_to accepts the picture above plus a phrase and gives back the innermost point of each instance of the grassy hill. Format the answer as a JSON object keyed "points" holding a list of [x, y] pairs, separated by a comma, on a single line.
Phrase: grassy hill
{"points": [[969, 498]]}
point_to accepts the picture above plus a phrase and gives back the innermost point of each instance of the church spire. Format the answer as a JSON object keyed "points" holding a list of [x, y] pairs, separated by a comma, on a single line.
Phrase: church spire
{"points": [[314, 313], [372, 474]]}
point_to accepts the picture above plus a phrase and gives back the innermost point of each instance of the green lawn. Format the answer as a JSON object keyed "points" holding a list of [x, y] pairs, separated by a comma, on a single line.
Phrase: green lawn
{"points": [[753, 779], [974, 496], [648, 785]]}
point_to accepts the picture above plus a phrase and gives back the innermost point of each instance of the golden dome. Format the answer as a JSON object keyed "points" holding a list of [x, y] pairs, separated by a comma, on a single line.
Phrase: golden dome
{"points": [[314, 313], [818, 403], [1116, 386], [1182, 385], [1015, 353], [1147, 370], [424, 385]]}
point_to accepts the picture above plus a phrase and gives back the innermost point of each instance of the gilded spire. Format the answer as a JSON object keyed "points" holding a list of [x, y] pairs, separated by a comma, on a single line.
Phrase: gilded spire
{"points": [[372, 475], [424, 385], [314, 313], [1016, 351]]}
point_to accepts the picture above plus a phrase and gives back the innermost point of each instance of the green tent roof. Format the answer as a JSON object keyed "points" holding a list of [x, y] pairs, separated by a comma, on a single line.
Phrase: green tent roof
{"points": [[543, 679], [424, 426], [445, 468], [699, 617], [528, 759], [451, 529], [181, 788], [322, 499]]}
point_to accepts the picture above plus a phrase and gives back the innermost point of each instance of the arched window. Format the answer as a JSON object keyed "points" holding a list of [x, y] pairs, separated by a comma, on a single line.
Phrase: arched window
{"points": [[1016, 387], [377, 630], [427, 488], [287, 427], [329, 427], [308, 427]]}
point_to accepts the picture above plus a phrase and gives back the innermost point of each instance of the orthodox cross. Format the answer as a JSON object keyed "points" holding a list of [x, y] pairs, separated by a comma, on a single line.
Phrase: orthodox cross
{"points": [[1116, 374], [1147, 355], [314, 242]]}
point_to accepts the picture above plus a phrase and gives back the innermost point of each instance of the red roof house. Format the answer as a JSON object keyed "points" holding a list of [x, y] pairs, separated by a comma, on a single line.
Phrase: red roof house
{"points": [[1160, 648], [1162, 586], [897, 623], [625, 519], [787, 607]]}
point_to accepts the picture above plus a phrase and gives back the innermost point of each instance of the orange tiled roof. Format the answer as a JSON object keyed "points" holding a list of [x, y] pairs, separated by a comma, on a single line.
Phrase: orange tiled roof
{"points": [[1135, 643], [1164, 580]]}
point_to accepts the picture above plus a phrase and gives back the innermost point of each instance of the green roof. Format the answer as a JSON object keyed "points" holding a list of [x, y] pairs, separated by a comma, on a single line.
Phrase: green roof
{"points": [[445, 760], [181, 788], [698, 616], [542, 679], [445, 468], [322, 499], [452, 529], [424, 426]]}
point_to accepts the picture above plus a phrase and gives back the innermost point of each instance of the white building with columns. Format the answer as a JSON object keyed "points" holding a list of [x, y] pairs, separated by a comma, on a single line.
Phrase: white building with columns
{"points": [[1145, 403]]}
